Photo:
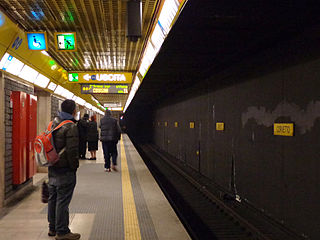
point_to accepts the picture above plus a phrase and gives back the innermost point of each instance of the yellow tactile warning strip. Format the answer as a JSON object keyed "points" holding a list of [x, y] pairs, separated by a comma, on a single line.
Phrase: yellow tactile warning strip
{"points": [[130, 218]]}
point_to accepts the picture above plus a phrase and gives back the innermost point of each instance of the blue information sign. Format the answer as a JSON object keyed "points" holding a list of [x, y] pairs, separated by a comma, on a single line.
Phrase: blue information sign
{"points": [[37, 41]]}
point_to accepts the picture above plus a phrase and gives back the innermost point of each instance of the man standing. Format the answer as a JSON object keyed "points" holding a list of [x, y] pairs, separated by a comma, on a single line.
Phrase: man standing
{"points": [[83, 135], [62, 175], [110, 135]]}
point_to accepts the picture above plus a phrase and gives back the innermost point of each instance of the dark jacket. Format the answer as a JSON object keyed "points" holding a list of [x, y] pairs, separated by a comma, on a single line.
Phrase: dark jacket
{"points": [[93, 132], [110, 129], [83, 125], [67, 136]]}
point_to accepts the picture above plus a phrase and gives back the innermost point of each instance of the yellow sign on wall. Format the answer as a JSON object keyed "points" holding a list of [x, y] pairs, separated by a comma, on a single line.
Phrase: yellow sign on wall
{"points": [[176, 124], [191, 124], [283, 129], [220, 126], [166, 124], [100, 77]]}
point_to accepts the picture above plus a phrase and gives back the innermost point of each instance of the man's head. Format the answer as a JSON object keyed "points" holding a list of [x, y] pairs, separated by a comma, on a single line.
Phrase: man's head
{"points": [[108, 113], [68, 106], [86, 115]]}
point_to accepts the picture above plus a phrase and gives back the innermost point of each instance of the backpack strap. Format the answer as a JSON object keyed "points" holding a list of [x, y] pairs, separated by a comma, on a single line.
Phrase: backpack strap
{"points": [[60, 124]]}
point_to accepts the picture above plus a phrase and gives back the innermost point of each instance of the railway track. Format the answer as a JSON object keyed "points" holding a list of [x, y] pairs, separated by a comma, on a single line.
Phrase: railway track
{"points": [[203, 210]]}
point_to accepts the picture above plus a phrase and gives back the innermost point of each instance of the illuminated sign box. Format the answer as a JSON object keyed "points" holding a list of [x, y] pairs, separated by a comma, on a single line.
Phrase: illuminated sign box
{"points": [[37, 41], [103, 88], [100, 77], [283, 129], [65, 41]]}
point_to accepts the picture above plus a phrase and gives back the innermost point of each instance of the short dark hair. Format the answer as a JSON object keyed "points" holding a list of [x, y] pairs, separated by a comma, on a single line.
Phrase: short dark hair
{"points": [[108, 113], [68, 106]]}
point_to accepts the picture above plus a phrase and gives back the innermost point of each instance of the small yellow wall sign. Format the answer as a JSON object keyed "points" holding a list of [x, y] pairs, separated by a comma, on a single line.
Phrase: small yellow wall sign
{"points": [[191, 124], [176, 124], [220, 126], [166, 124], [283, 129]]}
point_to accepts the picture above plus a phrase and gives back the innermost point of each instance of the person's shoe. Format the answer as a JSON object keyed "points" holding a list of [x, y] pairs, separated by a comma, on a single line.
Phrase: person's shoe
{"points": [[114, 168], [68, 236], [94, 158], [51, 233], [107, 170]]}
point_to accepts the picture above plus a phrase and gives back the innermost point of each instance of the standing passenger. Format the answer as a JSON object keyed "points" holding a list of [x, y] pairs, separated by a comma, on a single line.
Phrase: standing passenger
{"points": [[110, 135], [83, 134], [62, 175], [93, 137]]}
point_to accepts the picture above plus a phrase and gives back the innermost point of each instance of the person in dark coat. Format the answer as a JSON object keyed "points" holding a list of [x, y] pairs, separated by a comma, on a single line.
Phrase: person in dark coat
{"points": [[62, 175], [83, 125], [93, 137], [110, 135]]}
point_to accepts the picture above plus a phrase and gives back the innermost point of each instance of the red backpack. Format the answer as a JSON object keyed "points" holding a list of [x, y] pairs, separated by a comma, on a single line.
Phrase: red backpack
{"points": [[44, 150]]}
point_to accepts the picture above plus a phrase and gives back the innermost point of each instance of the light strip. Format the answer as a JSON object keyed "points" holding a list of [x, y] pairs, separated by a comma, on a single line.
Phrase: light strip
{"points": [[167, 15]]}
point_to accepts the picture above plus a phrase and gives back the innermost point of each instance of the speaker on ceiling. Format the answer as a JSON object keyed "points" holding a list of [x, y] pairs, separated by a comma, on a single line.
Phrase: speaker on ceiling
{"points": [[134, 20]]}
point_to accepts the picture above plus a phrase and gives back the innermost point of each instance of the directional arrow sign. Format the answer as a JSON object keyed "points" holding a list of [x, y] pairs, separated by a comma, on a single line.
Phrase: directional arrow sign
{"points": [[87, 77], [101, 77]]}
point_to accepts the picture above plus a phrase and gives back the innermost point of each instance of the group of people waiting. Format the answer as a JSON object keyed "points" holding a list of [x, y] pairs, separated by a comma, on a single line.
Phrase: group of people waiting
{"points": [[71, 139]]}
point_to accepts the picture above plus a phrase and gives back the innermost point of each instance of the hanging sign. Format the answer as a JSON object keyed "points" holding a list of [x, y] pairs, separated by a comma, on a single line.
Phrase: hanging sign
{"points": [[101, 77], [37, 40], [104, 88], [65, 41]]}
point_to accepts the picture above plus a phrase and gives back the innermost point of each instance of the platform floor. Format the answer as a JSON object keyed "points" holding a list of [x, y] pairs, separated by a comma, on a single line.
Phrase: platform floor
{"points": [[123, 205]]}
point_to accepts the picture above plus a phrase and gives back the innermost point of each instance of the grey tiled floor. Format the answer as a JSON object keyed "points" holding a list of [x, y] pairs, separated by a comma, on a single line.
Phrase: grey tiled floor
{"points": [[96, 208]]}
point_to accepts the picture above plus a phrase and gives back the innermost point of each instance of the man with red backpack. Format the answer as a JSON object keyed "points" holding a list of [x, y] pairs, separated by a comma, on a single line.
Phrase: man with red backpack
{"points": [[62, 174]]}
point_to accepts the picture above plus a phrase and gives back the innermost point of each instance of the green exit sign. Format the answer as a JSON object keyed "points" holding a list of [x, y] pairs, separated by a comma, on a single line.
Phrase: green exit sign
{"points": [[66, 41]]}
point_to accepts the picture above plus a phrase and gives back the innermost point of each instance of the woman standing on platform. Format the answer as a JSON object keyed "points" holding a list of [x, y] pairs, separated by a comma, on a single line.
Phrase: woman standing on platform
{"points": [[93, 137]]}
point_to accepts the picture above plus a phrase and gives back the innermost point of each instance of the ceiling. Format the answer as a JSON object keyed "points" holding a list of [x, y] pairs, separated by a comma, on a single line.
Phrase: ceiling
{"points": [[212, 36], [100, 26]]}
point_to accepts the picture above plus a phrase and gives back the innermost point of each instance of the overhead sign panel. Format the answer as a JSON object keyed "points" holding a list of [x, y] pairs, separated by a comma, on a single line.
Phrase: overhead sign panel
{"points": [[104, 88], [101, 77], [65, 41], [37, 40], [112, 105]]}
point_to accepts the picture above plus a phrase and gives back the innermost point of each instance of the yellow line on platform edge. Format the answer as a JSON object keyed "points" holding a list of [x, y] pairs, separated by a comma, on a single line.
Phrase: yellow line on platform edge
{"points": [[130, 218]]}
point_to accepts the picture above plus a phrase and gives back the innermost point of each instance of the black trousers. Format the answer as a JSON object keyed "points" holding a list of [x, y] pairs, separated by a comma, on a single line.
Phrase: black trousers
{"points": [[82, 148], [110, 150]]}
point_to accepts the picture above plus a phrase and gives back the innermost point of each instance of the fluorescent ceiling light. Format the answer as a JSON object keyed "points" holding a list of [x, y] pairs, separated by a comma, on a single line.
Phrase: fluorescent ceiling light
{"points": [[74, 98], [67, 94], [45, 53], [157, 38], [80, 101], [168, 12], [42, 81], [28, 73], [59, 90], [52, 86], [15, 66], [4, 60]]}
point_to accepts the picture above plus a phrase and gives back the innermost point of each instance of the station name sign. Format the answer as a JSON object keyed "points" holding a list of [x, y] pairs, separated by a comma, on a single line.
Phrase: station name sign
{"points": [[101, 77], [104, 88]]}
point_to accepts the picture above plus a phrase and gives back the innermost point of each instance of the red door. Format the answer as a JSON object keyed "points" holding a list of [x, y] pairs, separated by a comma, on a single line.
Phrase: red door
{"points": [[31, 123], [19, 136]]}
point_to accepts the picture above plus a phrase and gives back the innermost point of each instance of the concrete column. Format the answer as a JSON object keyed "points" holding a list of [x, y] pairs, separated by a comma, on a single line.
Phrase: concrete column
{"points": [[82, 111], [2, 140], [43, 115]]}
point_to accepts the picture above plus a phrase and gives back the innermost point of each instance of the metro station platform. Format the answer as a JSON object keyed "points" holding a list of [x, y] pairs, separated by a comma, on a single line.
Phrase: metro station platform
{"points": [[127, 204]]}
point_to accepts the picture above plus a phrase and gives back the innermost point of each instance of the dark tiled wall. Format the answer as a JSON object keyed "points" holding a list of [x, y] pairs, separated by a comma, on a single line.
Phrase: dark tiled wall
{"points": [[9, 87], [54, 106]]}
